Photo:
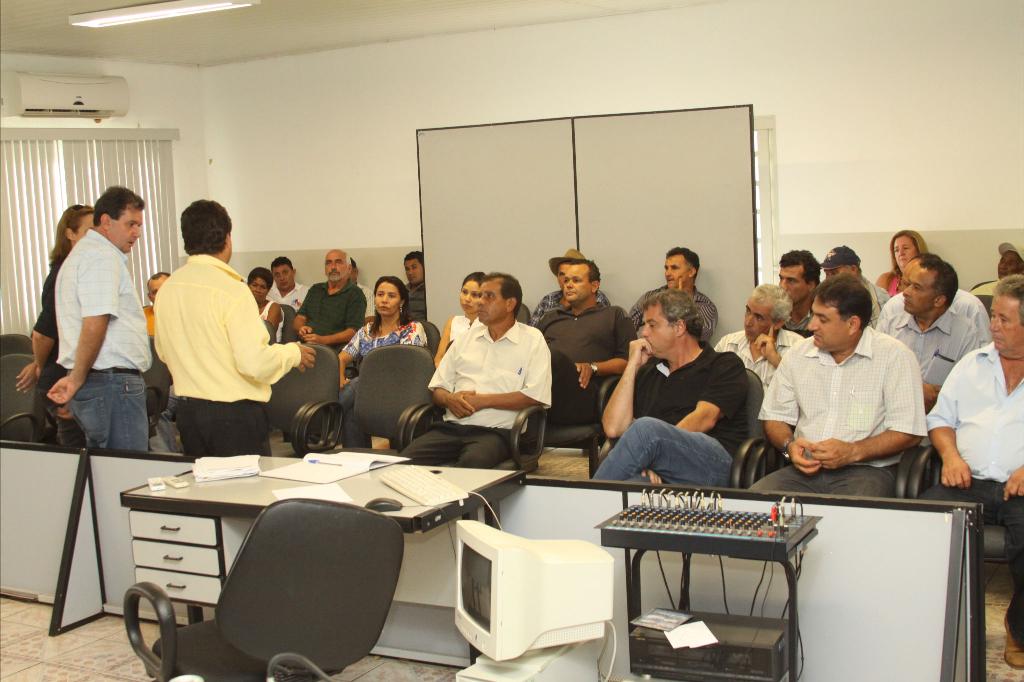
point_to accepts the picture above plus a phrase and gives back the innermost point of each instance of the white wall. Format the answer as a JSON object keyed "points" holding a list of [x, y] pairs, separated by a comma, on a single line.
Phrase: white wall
{"points": [[160, 96], [888, 114]]}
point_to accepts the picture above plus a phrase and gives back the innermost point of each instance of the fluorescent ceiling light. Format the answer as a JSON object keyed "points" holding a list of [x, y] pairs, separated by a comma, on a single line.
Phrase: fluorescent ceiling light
{"points": [[154, 10]]}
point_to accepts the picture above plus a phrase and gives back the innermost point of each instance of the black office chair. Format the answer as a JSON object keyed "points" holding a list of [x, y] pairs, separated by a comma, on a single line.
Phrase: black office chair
{"points": [[586, 437], [524, 314], [433, 337], [15, 343], [313, 578], [921, 468], [304, 405], [525, 437], [288, 333], [392, 379], [986, 300], [745, 459], [21, 415], [158, 388]]}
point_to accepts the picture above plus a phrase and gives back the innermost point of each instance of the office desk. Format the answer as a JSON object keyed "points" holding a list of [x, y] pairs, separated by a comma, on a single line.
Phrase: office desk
{"points": [[186, 540]]}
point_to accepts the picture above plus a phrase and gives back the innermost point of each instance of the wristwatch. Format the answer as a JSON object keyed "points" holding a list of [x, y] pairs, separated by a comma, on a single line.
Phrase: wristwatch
{"points": [[785, 446], [593, 367]]}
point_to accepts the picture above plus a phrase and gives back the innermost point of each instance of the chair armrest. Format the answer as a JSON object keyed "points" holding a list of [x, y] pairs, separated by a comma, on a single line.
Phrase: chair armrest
{"points": [[761, 462], [413, 421], [917, 471], [161, 667], [526, 438], [602, 454], [605, 390], [749, 450], [37, 424], [316, 427]]}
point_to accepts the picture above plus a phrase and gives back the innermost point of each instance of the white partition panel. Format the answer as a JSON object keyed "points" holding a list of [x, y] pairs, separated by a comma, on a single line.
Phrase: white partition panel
{"points": [[650, 182], [35, 502], [873, 594], [494, 198]]}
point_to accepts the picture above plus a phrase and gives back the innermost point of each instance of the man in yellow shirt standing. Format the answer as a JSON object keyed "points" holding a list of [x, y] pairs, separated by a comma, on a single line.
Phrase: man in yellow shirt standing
{"points": [[210, 334]]}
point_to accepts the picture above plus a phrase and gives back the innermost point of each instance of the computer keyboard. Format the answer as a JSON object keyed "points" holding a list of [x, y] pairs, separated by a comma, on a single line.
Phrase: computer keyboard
{"points": [[419, 484]]}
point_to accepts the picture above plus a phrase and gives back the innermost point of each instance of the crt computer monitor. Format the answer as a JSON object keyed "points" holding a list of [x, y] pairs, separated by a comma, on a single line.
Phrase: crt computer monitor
{"points": [[515, 594]]}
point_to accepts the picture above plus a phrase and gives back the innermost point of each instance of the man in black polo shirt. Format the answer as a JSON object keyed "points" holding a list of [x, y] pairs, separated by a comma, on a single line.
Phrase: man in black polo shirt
{"points": [[587, 340], [333, 310], [680, 407]]}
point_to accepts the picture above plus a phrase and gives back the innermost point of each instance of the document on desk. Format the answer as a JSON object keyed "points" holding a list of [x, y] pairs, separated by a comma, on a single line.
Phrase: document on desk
{"points": [[373, 460], [329, 492], [308, 472]]}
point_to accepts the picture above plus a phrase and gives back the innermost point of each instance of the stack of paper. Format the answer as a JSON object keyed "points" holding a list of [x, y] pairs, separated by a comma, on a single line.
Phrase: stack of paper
{"points": [[219, 468]]}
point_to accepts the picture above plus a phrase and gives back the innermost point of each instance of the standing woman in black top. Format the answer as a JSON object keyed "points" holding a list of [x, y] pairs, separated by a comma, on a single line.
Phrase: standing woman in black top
{"points": [[44, 371]]}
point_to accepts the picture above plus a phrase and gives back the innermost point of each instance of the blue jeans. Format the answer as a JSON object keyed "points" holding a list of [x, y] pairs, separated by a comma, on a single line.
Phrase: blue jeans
{"points": [[677, 456], [111, 409], [352, 436]]}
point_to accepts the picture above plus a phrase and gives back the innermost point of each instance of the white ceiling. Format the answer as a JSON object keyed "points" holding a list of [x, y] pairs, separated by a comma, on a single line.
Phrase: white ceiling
{"points": [[278, 27]]}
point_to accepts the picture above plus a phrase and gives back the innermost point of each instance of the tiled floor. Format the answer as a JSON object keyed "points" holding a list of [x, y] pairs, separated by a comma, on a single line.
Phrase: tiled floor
{"points": [[99, 652]]}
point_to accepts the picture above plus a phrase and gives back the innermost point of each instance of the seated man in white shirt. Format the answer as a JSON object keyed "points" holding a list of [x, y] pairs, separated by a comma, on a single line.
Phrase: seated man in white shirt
{"points": [[492, 371], [286, 290], [844, 403], [762, 342], [977, 427]]}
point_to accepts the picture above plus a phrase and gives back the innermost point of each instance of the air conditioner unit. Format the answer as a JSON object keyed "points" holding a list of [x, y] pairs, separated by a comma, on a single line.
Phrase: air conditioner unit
{"points": [[57, 95]]}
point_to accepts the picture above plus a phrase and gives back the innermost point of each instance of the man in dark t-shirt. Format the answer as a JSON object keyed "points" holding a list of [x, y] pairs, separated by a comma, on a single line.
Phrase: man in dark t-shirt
{"points": [[587, 340], [679, 408]]}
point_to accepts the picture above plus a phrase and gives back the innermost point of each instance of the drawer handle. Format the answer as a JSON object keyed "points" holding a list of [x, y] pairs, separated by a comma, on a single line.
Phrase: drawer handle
{"points": [[168, 557], [172, 529], [172, 586]]}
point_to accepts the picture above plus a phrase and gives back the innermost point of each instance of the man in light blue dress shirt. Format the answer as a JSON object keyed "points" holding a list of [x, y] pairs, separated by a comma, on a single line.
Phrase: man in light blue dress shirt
{"points": [[977, 428], [938, 335], [102, 329]]}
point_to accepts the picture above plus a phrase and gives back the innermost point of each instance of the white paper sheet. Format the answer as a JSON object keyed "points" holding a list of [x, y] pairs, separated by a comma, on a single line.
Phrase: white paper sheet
{"points": [[315, 473], [329, 492], [693, 635]]}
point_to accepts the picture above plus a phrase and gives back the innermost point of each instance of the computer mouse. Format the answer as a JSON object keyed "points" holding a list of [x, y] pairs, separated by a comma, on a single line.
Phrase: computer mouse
{"points": [[383, 504]]}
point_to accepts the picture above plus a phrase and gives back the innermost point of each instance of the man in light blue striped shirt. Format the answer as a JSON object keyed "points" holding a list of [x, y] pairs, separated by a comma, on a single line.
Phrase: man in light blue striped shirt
{"points": [[937, 335], [102, 329]]}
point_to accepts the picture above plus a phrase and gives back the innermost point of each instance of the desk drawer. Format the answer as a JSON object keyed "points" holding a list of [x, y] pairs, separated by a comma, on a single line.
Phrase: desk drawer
{"points": [[176, 557], [192, 529], [182, 586]]}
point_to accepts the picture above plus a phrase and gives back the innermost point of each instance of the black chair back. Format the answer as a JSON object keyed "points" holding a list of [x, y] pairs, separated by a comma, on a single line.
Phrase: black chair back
{"points": [[288, 333], [986, 300], [302, 404], [329, 607], [15, 343], [20, 416], [524, 314], [433, 337], [755, 396], [391, 379], [158, 388]]}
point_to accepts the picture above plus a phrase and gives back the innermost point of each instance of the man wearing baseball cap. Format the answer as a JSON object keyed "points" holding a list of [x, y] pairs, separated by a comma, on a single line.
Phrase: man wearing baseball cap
{"points": [[845, 259], [1011, 262], [556, 299]]}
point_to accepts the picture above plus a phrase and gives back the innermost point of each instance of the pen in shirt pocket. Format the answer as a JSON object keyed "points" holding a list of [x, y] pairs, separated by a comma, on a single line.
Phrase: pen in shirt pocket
{"points": [[520, 372], [943, 357]]}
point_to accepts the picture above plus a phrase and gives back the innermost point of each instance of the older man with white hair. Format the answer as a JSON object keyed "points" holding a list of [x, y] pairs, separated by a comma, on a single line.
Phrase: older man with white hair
{"points": [[762, 342]]}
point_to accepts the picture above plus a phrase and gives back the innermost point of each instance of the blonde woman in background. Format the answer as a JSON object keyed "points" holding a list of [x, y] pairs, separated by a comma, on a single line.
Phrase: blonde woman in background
{"points": [[904, 246]]}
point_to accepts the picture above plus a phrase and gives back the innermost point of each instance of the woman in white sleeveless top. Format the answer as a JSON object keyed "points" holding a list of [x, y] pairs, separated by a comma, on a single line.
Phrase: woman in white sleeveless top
{"points": [[260, 280], [457, 325]]}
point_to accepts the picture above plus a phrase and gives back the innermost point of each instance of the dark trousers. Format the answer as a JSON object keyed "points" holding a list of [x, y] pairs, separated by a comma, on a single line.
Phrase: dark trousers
{"points": [[449, 444], [1009, 513], [215, 429], [571, 404]]}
